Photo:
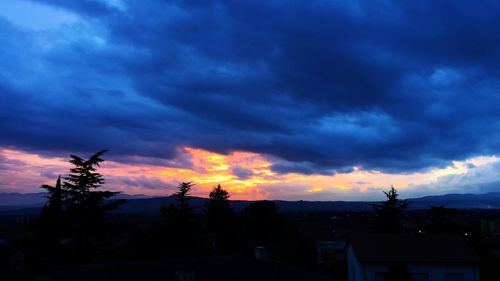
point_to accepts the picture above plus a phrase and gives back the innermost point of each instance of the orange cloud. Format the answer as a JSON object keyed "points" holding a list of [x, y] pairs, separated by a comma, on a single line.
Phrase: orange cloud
{"points": [[245, 175]]}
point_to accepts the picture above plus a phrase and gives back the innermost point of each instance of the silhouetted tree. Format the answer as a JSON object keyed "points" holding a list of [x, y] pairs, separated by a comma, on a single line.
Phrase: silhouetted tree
{"points": [[51, 219], [180, 228], [182, 195], [390, 212], [218, 200], [81, 183], [84, 205], [182, 209], [54, 204], [217, 208], [261, 216], [221, 220]]}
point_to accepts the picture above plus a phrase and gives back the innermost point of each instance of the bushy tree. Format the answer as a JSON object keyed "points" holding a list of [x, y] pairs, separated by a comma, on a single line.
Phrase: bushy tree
{"points": [[85, 205], [221, 220], [75, 207], [80, 187], [218, 204], [390, 212]]}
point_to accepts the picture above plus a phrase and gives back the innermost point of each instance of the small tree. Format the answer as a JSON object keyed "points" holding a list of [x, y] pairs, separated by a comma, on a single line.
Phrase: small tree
{"points": [[182, 210], [390, 212], [180, 229], [182, 195], [218, 201], [220, 219]]}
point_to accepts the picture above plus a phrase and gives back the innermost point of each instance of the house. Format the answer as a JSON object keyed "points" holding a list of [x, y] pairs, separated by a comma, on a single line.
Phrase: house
{"points": [[207, 268], [330, 246], [426, 258]]}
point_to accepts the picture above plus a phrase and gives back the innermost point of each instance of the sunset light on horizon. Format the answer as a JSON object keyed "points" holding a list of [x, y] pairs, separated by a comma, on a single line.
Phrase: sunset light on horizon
{"points": [[246, 175]]}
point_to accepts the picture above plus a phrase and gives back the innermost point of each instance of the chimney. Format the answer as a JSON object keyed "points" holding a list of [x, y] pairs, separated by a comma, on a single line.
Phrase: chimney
{"points": [[185, 274], [261, 253]]}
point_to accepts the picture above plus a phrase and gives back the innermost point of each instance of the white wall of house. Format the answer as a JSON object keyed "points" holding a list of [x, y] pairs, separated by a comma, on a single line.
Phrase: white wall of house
{"points": [[353, 266], [422, 271]]}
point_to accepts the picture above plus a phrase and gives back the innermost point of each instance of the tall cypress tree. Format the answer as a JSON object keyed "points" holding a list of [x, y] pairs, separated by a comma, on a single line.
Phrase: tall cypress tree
{"points": [[55, 196], [51, 220]]}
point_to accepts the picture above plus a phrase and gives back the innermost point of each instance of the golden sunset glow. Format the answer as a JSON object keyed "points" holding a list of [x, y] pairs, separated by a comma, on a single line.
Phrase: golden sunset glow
{"points": [[208, 169]]}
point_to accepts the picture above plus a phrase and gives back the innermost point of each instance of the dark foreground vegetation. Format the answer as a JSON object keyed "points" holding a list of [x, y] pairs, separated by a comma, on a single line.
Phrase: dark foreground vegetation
{"points": [[76, 237]]}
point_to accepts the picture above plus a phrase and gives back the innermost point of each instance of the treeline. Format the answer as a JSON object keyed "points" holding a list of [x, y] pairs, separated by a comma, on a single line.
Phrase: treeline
{"points": [[73, 225], [76, 226]]}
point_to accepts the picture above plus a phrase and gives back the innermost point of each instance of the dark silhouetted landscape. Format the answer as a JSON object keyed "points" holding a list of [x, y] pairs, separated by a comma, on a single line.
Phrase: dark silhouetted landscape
{"points": [[240, 140]]}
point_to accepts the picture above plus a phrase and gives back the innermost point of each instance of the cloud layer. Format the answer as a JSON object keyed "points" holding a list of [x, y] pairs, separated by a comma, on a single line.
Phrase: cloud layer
{"points": [[315, 87], [249, 176]]}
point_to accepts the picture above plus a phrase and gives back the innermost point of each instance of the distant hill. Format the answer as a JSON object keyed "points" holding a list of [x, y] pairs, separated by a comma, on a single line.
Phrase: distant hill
{"points": [[489, 200], [18, 201], [31, 203]]}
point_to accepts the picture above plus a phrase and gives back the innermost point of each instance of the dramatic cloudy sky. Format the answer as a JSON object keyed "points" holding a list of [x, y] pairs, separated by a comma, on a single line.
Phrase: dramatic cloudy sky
{"points": [[325, 100]]}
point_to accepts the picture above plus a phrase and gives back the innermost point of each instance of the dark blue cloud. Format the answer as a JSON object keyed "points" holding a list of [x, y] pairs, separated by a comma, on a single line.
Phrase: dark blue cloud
{"points": [[242, 173], [319, 86]]}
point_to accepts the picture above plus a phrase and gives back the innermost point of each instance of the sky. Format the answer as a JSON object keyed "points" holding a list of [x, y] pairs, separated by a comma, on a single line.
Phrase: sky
{"points": [[294, 100]]}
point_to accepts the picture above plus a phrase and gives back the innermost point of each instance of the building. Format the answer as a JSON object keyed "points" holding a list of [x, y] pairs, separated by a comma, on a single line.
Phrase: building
{"points": [[208, 268], [330, 251], [426, 258]]}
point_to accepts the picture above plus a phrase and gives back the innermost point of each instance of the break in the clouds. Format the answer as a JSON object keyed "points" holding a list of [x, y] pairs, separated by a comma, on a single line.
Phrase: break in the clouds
{"points": [[318, 88], [249, 176]]}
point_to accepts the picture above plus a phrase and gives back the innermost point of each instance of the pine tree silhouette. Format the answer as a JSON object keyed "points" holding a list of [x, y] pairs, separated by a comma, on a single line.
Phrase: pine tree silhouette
{"points": [[180, 228], [390, 212], [218, 201], [221, 220], [75, 207]]}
